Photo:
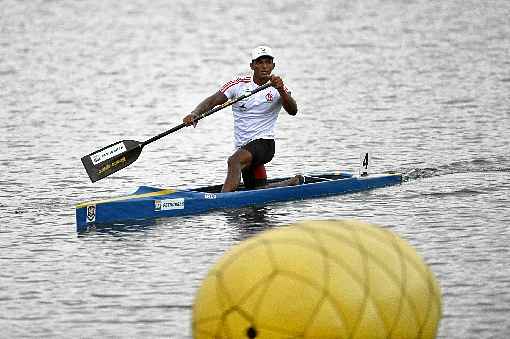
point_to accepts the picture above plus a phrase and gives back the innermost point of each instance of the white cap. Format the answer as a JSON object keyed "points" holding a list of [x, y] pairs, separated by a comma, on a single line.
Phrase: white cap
{"points": [[261, 51]]}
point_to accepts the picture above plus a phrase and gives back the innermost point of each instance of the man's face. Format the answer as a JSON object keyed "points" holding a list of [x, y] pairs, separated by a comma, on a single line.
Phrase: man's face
{"points": [[262, 67]]}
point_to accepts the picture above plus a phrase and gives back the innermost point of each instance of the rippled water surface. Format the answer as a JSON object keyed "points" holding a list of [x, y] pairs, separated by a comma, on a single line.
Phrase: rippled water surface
{"points": [[423, 85]]}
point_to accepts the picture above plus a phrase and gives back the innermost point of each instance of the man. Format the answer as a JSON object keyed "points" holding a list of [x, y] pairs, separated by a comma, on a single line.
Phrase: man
{"points": [[254, 120]]}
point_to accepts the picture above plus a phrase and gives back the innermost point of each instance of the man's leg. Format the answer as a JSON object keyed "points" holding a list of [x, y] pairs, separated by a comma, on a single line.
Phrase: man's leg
{"points": [[254, 176], [296, 180], [236, 162]]}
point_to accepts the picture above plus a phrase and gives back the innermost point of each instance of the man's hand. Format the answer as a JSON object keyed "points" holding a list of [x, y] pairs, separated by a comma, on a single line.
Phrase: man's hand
{"points": [[191, 119], [277, 83], [288, 103]]}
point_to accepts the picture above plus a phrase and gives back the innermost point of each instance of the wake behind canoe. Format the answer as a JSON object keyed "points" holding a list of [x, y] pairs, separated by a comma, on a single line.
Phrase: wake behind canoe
{"points": [[150, 202]]}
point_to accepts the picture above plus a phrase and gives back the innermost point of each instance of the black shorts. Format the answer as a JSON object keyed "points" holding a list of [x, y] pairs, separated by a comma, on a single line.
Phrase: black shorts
{"points": [[262, 151]]}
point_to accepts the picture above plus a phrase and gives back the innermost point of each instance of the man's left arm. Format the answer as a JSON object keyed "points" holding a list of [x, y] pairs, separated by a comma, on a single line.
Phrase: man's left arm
{"points": [[288, 102]]}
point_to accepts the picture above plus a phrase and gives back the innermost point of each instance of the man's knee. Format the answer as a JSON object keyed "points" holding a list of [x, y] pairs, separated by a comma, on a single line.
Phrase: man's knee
{"points": [[240, 158], [233, 160]]}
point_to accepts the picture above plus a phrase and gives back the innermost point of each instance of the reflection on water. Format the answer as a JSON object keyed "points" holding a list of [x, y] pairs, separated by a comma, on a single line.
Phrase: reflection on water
{"points": [[245, 222], [120, 229], [248, 221]]}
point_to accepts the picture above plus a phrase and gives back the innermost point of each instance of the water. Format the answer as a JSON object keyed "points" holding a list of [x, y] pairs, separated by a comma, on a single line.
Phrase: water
{"points": [[423, 85]]}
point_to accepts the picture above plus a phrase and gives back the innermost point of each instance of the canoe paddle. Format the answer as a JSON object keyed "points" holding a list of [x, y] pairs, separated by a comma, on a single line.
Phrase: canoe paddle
{"points": [[119, 155]]}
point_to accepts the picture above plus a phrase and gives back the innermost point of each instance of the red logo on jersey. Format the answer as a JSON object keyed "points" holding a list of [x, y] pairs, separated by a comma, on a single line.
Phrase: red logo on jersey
{"points": [[269, 96]]}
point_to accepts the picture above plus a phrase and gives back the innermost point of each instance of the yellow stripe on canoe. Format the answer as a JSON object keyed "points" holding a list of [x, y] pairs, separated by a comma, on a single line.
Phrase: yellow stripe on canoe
{"points": [[127, 197]]}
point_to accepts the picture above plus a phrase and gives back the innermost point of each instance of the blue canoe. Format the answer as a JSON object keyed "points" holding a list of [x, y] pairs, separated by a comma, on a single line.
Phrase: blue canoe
{"points": [[150, 202]]}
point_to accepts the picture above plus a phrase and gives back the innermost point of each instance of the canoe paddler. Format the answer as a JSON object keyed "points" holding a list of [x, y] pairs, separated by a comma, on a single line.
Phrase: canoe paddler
{"points": [[254, 121]]}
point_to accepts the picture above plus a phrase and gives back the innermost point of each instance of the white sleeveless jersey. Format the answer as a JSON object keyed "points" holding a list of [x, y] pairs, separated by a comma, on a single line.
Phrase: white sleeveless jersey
{"points": [[254, 117]]}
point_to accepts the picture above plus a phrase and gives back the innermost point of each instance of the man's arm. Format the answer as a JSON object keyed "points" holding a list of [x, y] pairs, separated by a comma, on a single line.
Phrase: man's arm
{"points": [[208, 103], [288, 102]]}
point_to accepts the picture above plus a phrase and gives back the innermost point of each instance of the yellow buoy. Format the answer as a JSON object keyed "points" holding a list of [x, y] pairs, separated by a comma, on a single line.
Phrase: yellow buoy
{"points": [[319, 279]]}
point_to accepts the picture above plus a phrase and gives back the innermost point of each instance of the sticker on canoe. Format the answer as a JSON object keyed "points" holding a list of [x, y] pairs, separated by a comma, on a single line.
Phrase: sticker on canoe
{"points": [[209, 196], [169, 204], [91, 213], [108, 153]]}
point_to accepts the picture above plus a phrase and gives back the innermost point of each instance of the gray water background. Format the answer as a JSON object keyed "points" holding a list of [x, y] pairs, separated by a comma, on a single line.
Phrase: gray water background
{"points": [[423, 85]]}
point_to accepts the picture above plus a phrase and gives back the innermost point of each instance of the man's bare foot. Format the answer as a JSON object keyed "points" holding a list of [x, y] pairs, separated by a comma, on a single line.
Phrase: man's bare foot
{"points": [[296, 180]]}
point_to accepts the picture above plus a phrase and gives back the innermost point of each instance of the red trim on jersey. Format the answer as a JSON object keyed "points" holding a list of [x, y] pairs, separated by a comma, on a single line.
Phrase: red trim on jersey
{"points": [[234, 82]]}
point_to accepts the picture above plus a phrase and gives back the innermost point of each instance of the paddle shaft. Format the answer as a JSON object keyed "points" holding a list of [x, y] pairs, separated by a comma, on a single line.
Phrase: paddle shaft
{"points": [[119, 155], [206, 114]]}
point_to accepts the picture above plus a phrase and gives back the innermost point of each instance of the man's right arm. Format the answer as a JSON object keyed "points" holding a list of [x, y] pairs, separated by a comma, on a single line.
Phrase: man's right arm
{"points": [[208, 103]]}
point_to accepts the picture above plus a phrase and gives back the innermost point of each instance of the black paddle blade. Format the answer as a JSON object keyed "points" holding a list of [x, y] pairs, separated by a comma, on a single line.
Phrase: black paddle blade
{"points": [[111, 159]]}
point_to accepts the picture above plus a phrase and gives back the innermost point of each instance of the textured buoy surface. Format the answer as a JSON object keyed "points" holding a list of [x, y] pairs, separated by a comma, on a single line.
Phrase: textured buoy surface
{"points": [[319, 279]]}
